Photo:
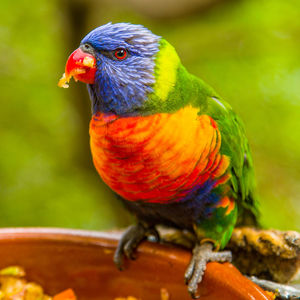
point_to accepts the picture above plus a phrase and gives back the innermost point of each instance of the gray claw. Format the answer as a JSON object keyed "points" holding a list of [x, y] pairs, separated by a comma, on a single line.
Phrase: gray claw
{"points": [[202, 254], [129, 241]]}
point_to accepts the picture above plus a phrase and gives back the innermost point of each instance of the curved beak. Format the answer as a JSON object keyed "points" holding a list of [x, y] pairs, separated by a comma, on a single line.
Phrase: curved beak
{"points": [[81, 66]]}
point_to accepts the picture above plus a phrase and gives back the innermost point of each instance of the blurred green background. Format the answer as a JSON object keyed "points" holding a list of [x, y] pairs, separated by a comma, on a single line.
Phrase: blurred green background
{"points": [[247, 50]]}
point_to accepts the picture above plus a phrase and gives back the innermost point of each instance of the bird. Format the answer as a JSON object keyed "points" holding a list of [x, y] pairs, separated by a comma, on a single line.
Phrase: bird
{"points": [[165, 142]]}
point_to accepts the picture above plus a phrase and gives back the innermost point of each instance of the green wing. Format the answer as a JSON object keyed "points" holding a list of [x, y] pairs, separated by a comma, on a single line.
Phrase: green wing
{"points": [[234, 145]]}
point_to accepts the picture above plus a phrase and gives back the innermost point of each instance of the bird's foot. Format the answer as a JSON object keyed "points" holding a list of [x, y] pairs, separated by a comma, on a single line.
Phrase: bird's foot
{"points": [[130, 240], [202, 254]]}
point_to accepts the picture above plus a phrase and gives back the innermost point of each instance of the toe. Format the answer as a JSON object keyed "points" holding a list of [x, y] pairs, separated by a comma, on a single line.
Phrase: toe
{"points": [[193, 292], [118, 259], [198, 272], [221, 256], [129, 248], [129, 241], [195, 277], [189, 271]]}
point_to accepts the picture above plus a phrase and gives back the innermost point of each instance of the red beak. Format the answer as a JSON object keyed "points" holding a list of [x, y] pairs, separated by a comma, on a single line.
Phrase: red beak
{"points": [[81, 66]]}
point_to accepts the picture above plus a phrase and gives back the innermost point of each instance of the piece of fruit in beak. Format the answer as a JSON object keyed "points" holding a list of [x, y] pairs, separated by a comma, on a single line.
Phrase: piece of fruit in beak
{"points": [[81, 66]]}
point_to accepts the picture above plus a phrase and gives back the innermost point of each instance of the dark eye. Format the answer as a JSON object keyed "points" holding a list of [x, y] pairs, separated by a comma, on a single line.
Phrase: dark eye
{"points": [[86, 47], [120, 53]]}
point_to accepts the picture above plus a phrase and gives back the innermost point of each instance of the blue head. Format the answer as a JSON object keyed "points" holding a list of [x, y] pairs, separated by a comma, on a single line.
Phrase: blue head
{"points": [[125, 55]]}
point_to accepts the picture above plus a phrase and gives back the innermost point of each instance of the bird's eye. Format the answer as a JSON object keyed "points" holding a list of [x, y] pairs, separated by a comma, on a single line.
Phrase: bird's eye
{"points": [[120, 54], [86, 47]]}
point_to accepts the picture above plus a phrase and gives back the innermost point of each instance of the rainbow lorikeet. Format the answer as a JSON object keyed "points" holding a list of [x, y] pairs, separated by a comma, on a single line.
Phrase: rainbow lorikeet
{"points": [[165, 142]]}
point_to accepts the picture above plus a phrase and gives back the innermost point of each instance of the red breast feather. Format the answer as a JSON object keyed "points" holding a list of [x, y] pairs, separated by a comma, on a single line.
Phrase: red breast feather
{"points": [[158, 158]]}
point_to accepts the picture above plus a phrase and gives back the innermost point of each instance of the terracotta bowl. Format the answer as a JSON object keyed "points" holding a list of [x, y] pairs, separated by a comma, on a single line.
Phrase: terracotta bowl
{"points": [[82, 260]]}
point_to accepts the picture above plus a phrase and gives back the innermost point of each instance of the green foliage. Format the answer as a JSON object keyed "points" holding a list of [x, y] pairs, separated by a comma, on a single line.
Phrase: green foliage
{"points": [[248, 51], [41, 183]]}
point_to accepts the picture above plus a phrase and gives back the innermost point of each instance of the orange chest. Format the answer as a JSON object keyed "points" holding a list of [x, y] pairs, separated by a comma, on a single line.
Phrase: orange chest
{"points": [[157, 158]]}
